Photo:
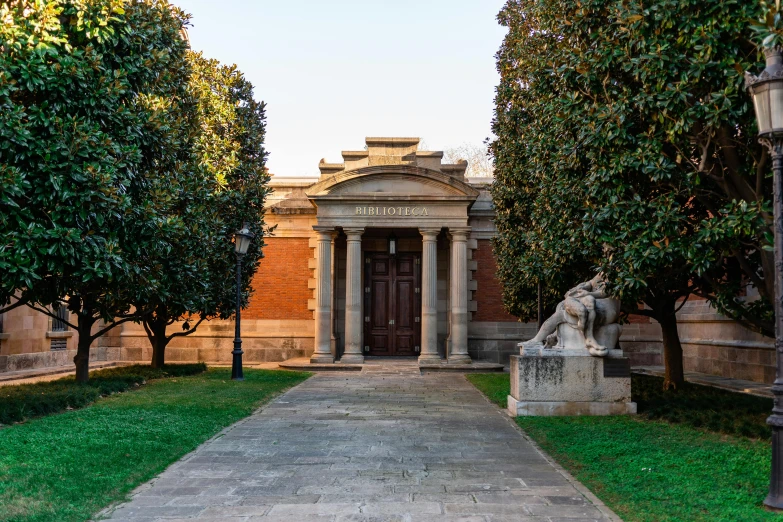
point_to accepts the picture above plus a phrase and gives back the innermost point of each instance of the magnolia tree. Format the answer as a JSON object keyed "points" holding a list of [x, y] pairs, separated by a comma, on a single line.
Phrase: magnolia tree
{"points": [[626, 144], [198, 281], [97, 124]]}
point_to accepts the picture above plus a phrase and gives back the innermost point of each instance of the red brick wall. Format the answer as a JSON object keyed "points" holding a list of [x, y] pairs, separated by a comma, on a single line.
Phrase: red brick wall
{"points": [[280, 285], [489, 293]]}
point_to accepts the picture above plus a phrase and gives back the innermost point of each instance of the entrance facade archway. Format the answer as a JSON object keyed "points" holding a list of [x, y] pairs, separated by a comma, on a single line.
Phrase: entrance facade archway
{"points": [[392, 186]]}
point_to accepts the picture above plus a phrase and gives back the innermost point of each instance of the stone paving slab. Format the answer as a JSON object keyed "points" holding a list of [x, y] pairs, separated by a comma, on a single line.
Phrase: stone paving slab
{"points": [[368, 446]]}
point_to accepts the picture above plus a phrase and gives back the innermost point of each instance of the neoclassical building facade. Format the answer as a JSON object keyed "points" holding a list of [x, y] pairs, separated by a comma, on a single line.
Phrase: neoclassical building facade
{"points": [[387, 253]]}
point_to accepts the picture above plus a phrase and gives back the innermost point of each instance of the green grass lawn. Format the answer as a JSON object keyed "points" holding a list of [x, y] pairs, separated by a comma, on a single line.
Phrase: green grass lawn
{"points": [[651, 470], [69, 466]]}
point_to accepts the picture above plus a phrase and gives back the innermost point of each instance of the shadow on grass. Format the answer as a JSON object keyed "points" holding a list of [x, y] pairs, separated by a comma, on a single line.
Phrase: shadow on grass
{"points": [[23, 401]]}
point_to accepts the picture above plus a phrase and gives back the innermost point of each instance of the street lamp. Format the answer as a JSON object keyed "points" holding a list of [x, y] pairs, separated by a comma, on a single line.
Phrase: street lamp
{"points": [[242, 239], [767, 92]]}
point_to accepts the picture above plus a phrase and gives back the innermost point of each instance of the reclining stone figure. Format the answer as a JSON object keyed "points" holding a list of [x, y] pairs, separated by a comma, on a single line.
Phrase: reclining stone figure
{"points": [[585, 319]]}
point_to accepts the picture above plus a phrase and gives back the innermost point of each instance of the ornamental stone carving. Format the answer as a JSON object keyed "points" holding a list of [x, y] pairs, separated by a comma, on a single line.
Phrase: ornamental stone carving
{"points": [[585, 320]]}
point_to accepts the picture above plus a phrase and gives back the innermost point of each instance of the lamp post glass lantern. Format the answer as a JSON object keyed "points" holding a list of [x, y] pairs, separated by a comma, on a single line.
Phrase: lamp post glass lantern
{"points": [[242, 240], [767, 92], [392, 244]]}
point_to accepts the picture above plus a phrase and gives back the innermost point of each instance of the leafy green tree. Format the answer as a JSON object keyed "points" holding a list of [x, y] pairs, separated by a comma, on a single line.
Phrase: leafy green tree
{"points": [[198, 281], [626, 139], [94, 126]]}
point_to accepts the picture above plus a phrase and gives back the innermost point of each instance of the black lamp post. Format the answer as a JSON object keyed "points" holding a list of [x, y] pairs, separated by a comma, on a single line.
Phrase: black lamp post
{"points": [[242, 240], [767, 92]]}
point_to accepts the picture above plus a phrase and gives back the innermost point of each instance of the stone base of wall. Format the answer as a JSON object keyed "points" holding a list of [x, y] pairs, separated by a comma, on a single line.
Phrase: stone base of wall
{"points": [[496, 342], [262, 341], [711, 344], [31, 361], [641, 343], [716, 345]]}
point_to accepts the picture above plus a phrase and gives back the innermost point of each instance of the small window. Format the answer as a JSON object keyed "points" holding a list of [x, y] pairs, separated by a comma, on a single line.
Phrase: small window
{"points": [[59, 344], [59, 323], [1, 324]]}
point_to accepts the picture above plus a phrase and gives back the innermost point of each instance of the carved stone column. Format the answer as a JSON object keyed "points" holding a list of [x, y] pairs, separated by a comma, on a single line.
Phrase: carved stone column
{"points": [[333, 339], [429, 297], [459, 296], [323, 296], [353, 298]]}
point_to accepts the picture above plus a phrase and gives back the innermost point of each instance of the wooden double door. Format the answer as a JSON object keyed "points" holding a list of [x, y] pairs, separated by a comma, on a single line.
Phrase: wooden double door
{"points": [[392, 304]]}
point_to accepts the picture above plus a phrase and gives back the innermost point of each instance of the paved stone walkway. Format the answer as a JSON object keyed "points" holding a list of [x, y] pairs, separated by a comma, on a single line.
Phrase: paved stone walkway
{"points": [[386, 444]]}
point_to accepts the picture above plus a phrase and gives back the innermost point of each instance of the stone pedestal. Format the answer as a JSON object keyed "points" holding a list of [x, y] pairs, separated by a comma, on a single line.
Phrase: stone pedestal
{"points": [[552, 382]]}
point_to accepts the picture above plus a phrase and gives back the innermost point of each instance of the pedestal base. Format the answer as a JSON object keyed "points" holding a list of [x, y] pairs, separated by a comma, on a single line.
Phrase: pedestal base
{"points": [[430, 359], [321, 359], [352, 358], [460, 359], [570, 382], [561, 408]]}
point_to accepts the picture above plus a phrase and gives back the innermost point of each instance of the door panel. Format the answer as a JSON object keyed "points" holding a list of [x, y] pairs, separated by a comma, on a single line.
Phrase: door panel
{"points": [[378, 298], [392, 304], [380, 308], [404, 316]]}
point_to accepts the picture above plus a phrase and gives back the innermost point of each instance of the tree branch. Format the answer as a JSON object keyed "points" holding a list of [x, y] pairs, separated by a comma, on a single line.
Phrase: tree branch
{"points": [[112, 325], [683, 302], [187, 332], [51, 314]]}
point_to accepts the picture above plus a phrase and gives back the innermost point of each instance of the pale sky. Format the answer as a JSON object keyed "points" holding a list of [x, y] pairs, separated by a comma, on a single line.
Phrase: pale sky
{"points": [[333, 72]]}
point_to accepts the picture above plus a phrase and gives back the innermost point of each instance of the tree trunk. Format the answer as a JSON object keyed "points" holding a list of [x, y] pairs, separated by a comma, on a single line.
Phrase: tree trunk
{"points": [[82, 357], [156, 332], [159, 342], [672, 349]]}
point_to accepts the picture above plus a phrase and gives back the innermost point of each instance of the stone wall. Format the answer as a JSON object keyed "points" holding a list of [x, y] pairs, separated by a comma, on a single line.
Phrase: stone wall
{"points": [[262, 341], [711, 344], [27, 341], [641, 341], [493, 341], [716, 345]]}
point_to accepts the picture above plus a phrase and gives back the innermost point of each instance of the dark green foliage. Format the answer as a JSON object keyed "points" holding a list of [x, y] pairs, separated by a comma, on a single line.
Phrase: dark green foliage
{"points": [[229, 189], [24, 401], [97, 130], [626, 143], [67, 467]]}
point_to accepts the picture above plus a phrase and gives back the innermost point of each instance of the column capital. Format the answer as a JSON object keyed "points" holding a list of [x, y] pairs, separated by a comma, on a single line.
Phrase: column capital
{"points": [[325, 232], [459, 233], [354, 233], [429, 234]]}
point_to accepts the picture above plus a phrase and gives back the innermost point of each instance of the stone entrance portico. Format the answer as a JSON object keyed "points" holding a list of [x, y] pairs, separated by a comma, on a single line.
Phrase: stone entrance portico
{"points": [[392, 187]]}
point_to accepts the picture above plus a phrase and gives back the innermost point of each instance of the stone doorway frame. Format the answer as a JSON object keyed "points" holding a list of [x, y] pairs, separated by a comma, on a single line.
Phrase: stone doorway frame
{"points": [[392, 196]]}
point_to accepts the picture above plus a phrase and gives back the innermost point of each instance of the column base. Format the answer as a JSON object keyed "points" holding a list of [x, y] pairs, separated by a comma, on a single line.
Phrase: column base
{"points": [[321, 358], [430, 359], [460, 359], [352, 358]]}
